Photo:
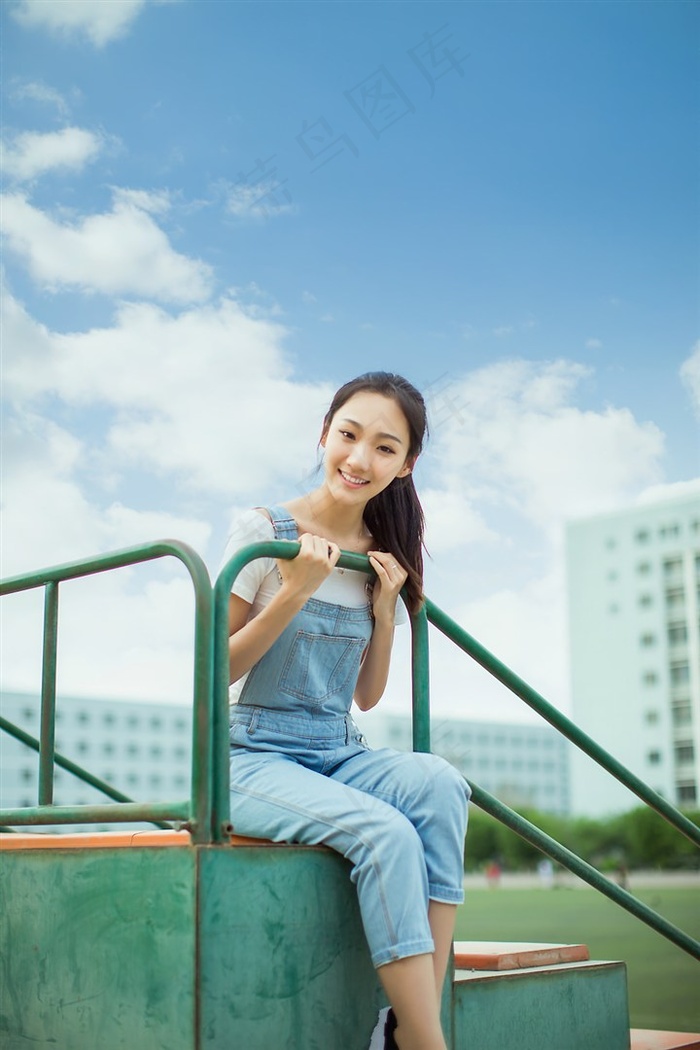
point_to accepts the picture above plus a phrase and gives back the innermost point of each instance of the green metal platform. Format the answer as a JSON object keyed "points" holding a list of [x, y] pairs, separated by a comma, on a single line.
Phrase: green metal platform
{"points": [[216, 947]]}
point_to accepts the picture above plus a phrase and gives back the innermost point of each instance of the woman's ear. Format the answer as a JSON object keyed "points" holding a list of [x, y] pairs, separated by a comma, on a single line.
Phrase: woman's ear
{"points": [[406, 468]]}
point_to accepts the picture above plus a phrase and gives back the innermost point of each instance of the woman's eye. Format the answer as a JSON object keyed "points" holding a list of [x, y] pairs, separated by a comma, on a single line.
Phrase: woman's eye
{"points": [[385, 448], [348, 434]]}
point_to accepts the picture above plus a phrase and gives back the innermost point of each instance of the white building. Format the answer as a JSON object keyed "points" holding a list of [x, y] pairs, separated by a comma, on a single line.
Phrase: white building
{"points": [[634, 616], [143, 749], [521, 764]]}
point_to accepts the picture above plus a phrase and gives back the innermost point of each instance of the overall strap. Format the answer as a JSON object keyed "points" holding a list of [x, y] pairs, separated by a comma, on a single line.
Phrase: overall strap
{"points": [[284, 525]]}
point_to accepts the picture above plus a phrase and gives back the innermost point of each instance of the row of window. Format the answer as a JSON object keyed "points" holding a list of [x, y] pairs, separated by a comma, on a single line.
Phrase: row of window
{"points": [[109, 718], [665, 532], [109, 747], [683, 752], [485, 762], [28, 776]]}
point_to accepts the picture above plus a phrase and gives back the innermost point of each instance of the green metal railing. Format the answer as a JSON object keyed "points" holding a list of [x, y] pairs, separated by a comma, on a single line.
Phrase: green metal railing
{"points": [[430, 613], [207, 813], [194, 812]]}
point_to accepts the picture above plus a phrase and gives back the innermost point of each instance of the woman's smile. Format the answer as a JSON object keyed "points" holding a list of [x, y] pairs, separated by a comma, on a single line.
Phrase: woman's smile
{"points": [[352, 479]]}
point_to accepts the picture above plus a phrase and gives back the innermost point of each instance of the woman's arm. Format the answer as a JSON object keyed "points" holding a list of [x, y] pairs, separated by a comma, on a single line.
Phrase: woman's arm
{"points": [[372, 679], [249, 640]]}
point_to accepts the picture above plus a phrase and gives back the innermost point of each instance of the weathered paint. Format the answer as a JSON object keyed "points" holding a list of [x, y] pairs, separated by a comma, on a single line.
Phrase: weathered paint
{"points": [[145, 948], [98, 949], [283, 957], [573, 1006]]}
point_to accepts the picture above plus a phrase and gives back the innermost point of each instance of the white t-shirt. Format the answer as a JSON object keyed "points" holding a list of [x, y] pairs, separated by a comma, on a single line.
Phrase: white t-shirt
{"points": [[258, 582]]}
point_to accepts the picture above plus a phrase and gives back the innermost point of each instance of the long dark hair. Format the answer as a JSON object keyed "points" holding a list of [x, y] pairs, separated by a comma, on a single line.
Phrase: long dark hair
{"points": [[395, 517]]}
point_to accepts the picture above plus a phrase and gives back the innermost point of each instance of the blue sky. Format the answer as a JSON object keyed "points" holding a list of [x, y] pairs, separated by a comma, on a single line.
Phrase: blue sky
{"points": [[216, 212]]}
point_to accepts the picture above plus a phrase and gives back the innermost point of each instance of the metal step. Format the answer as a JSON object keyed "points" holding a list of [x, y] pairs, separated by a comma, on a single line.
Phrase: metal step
{"points": [[647, 1039], [561, 1006]]}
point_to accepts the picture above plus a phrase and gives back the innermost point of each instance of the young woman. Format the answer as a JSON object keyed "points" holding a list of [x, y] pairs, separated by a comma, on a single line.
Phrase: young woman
{"points": [[306, 639]]}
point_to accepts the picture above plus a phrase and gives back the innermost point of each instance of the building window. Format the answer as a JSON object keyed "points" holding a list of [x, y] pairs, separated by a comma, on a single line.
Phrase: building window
{"points": [[612, 575], [687, 792], [133, 721], [83, 747], [26, 774], [156, 723], [653, 757], [669, 532], [83, 717], [675, 599], [180, 724], [673, 567], [684, 751], [156, 751], [677, 633], [682, 713], [651, 717], [613, 608], [680, 674], [645, 600], [29, 714], [647, 640], [650, 678], [133, 749], [643, 568], [108, 748], [642, 535], [611, 543], [109, 719]]}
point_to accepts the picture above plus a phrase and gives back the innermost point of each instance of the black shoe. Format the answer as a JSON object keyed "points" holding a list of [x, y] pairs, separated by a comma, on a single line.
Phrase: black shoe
{"points": [[389, 1029]]}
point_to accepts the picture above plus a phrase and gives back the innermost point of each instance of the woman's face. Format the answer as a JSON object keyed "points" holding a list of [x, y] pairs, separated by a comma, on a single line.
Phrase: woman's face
{"points": [[366, 447]]}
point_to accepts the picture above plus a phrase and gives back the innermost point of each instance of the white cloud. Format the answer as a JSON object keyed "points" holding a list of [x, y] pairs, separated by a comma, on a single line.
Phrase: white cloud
{"points": [[264, 199], [37, 91], [32, 153], [503, 330], [452, 521], [120, 252], [522, 443], [593, 344], [97, 20], [205, 397], [690, 374], [126, 634]]}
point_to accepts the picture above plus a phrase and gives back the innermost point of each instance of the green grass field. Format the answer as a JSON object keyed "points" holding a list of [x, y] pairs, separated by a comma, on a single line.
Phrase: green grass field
{"points": [[663, 980]]}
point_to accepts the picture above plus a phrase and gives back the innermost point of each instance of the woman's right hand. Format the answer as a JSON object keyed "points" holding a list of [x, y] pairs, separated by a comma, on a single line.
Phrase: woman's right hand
{"points": [[315, 561]]}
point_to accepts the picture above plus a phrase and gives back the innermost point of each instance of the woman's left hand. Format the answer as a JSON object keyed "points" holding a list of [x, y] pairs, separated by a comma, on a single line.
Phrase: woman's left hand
{"points": [[390, 579]]}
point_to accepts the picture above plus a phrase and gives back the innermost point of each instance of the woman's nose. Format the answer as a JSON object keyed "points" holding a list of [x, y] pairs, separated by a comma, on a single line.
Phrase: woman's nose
{"points": [[358, 456]]}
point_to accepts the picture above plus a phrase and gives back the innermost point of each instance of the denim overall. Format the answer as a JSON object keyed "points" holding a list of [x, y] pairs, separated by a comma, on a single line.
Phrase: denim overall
{"points": [[302, 772]]}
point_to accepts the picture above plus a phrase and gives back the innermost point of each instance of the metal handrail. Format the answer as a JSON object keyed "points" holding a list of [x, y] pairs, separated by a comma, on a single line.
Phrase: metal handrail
{"points": [[429, 612], [196, 812], [569, 729], [207, 813]]}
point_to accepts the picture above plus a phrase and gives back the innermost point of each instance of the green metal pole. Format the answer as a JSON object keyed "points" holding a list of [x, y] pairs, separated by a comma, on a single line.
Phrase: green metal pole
{"points": [[119, 813], [569, 729], [579, 867], [420, 667], [202, 758], [48, 694]]}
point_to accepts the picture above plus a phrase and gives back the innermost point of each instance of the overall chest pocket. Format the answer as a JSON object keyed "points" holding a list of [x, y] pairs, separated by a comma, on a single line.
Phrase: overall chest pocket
{"points": [[321, 665]]}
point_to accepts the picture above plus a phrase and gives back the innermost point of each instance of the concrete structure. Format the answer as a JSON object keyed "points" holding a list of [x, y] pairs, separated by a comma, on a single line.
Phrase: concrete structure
{"points": [[522, 764], [634, 610], [143, 749]]}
